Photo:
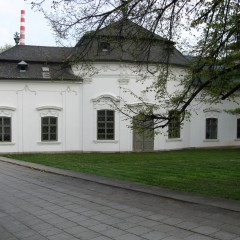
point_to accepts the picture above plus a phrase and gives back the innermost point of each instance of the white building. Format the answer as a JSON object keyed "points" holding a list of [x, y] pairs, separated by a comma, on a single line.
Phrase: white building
{"points": [[48, 104]]}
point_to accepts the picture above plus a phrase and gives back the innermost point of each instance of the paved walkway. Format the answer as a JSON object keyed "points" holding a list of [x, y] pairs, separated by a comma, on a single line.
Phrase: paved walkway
{"points": [[38, 205]]}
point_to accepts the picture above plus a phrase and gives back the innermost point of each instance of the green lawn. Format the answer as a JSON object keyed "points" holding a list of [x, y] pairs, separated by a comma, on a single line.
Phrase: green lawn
{"points": [[213, 172]]}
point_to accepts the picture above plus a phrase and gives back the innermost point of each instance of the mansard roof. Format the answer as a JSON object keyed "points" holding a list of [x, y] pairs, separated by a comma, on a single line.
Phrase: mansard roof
{"points": [[127, 29], [128, 42], [41, 63], [37, 53]]}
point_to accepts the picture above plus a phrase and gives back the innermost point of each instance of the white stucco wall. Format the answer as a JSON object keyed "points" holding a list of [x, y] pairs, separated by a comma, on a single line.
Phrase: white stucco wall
{"points": [[76, 104], [30, 101]]}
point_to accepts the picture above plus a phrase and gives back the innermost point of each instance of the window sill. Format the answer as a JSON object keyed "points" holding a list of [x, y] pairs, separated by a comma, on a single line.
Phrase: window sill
{"points": [[211, 140], [49, 143], [237, 139], [7, 143], [174, 140], [105, 141]]}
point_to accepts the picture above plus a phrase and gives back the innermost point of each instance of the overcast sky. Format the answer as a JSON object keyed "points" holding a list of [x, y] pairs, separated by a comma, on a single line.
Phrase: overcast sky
{"points": [[38, 31]]}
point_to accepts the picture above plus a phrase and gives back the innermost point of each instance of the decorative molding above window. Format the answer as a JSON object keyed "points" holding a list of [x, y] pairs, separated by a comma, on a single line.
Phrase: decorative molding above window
{"points": [[123, 81], [26, 89], [217, 110], [49, 110], [68, 90], [6, 110], [105, 99]]}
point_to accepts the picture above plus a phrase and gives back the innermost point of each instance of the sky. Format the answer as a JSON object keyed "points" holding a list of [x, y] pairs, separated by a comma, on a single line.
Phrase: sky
{"points": [[38, 31]]}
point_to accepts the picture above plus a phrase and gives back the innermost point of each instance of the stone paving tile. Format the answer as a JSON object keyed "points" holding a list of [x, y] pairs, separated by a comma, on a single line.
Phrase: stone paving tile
{"points": [[49, 232], [129, 236], [180, 233], [63, 236], [65, 224], [78, 219], [111, 220], [135, 219], [75, 230], [148, 223], [123, 215], [155, 235], [224, 235], [172, 238], [87, 235], [198, 237], [91, 213], [205, 230], [24, 234], [172, 221], [164, 228], [36, 237], [139, 230], [102, 238], [43, 226], [89, 223], [100, 227], [157, 217], [231, 228], [188, 225], [113, 232], [124, 225]]}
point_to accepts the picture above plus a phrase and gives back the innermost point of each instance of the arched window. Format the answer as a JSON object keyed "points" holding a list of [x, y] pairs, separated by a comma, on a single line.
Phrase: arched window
{"points": [[105, 125], [211, 128], [5, 129]]}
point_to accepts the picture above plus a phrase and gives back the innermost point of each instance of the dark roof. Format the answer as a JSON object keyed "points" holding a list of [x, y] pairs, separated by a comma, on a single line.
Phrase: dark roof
{"points": [[36, 57], [128, 42], [34, 71], [126, 29], [37, 53]]}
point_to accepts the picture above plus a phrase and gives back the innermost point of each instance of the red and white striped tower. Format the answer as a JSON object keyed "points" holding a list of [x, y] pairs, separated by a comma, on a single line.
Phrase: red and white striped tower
{"points": [[22, 28]]}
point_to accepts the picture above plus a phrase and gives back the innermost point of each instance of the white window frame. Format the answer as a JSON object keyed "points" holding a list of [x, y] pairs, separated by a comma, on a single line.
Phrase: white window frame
{"points": [[50, 111], [105, 122], [211, 113], [175, 127], [105, 102], [8, 111]]}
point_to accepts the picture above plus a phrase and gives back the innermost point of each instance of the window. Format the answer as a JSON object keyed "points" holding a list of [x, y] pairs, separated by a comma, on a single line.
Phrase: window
{"points": [[104, 46], [105, 125], [5, 129], [49, 128], [211, 128], [174, 125], [238, 128]]}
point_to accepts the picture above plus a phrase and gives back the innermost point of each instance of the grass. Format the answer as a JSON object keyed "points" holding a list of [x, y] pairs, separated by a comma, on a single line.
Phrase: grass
{"points": [[212, 172]]}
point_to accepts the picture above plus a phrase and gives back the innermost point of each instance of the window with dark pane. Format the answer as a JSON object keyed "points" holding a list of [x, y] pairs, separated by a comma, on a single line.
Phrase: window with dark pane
{"points": [[49, 128], [238, 128], [5, 129], [211, 128], [105, 125], [174, 125]]}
